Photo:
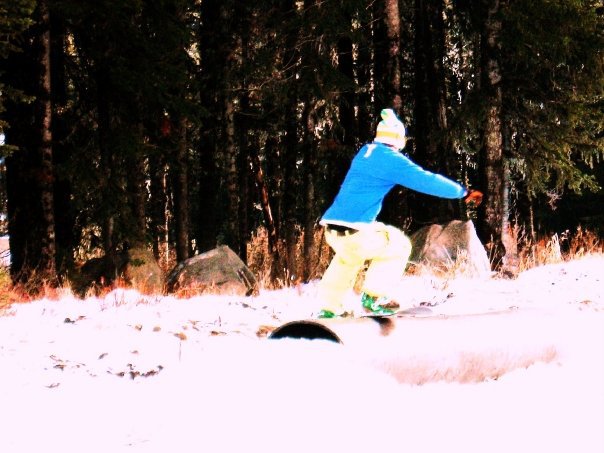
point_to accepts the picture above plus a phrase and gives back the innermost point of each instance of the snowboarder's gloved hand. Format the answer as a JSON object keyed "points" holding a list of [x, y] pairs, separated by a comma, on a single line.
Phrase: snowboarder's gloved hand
{"points": [[473, 197]]}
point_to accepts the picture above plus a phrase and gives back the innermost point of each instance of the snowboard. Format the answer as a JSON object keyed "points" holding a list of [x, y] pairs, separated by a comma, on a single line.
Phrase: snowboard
{"points": [[413, 311]]}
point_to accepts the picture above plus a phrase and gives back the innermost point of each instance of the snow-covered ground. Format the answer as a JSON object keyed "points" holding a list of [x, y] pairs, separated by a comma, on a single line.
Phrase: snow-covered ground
{"points": [[502, 366]]}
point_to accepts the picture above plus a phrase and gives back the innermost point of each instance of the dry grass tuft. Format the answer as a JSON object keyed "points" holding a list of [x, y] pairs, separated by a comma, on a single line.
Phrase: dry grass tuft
{"points": [[547, 250], [559, 247], [6, 294], [24, 292], [295, 264]]}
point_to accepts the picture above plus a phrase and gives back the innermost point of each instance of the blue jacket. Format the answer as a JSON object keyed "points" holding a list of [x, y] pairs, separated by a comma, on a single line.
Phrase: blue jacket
{"points": [[375, 170]]}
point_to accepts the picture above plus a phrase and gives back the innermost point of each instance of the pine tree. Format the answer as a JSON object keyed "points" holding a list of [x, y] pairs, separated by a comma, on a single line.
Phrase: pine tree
{"points": [[553, 86], [30, 168]]}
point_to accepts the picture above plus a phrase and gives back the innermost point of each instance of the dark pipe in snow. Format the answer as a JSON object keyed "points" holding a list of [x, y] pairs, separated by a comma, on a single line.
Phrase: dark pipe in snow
{"points": [[325, 329], [419, 349], [306, 330]]}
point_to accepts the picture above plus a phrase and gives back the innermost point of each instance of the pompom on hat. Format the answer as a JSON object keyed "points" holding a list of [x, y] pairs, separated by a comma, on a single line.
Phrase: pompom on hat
{"points": [[391, 131]]}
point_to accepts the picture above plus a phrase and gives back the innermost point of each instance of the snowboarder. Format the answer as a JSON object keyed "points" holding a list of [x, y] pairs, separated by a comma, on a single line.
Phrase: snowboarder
{"points": [[352, 231]]}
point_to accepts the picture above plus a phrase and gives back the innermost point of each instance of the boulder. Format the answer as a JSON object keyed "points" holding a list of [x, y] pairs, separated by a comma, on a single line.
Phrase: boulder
{"points": [[136, 267], [452, 246], [218, 271], [142, 271]]}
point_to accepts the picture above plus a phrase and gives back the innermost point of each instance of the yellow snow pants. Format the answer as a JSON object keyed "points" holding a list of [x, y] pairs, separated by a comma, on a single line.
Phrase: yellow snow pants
{"points": [[386, 247]]}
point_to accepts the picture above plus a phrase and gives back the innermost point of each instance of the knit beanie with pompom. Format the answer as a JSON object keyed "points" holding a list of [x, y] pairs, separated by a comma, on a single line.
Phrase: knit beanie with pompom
{"points": [[391, 131]]}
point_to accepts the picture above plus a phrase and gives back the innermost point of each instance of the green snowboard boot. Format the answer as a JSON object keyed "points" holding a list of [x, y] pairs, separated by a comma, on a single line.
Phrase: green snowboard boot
{"points": [[377, 306], [328, 314]]}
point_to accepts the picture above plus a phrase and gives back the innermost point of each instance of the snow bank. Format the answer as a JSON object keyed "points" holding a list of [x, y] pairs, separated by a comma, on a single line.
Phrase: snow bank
{"points": [[152, 374]]}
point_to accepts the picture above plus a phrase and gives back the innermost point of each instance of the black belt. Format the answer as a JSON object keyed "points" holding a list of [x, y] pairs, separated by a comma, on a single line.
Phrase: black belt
{"points": [[341, 230]]}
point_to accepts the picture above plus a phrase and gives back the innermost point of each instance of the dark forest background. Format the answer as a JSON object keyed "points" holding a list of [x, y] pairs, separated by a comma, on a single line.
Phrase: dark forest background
{"points": [[183, 124]]}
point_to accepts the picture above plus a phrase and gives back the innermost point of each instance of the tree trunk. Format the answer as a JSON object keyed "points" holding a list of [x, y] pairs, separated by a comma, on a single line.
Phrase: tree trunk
{"points": [[393, 64], [310, 169], [227, 48], [420, 207], [18, 202], [365, 63], [243, 166], [66, 235], [511, 260], [181, 193], [30, 170], [340, 152], [272, 183], [243, 162], [290, 153], [267, 212], [229, 166], [435, 85], [211, 48], [431, 146], [159, 207], [388, 77], [492, 171], [106, 183], [208, 186], [291, 187], [346, 104], [47, 265], [137, 194], [421, 107]]}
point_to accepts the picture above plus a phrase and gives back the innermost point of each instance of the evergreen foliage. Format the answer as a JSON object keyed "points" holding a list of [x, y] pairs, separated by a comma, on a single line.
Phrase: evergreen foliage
{"points": [[186, 124], [15, 17], [554, 87]]}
